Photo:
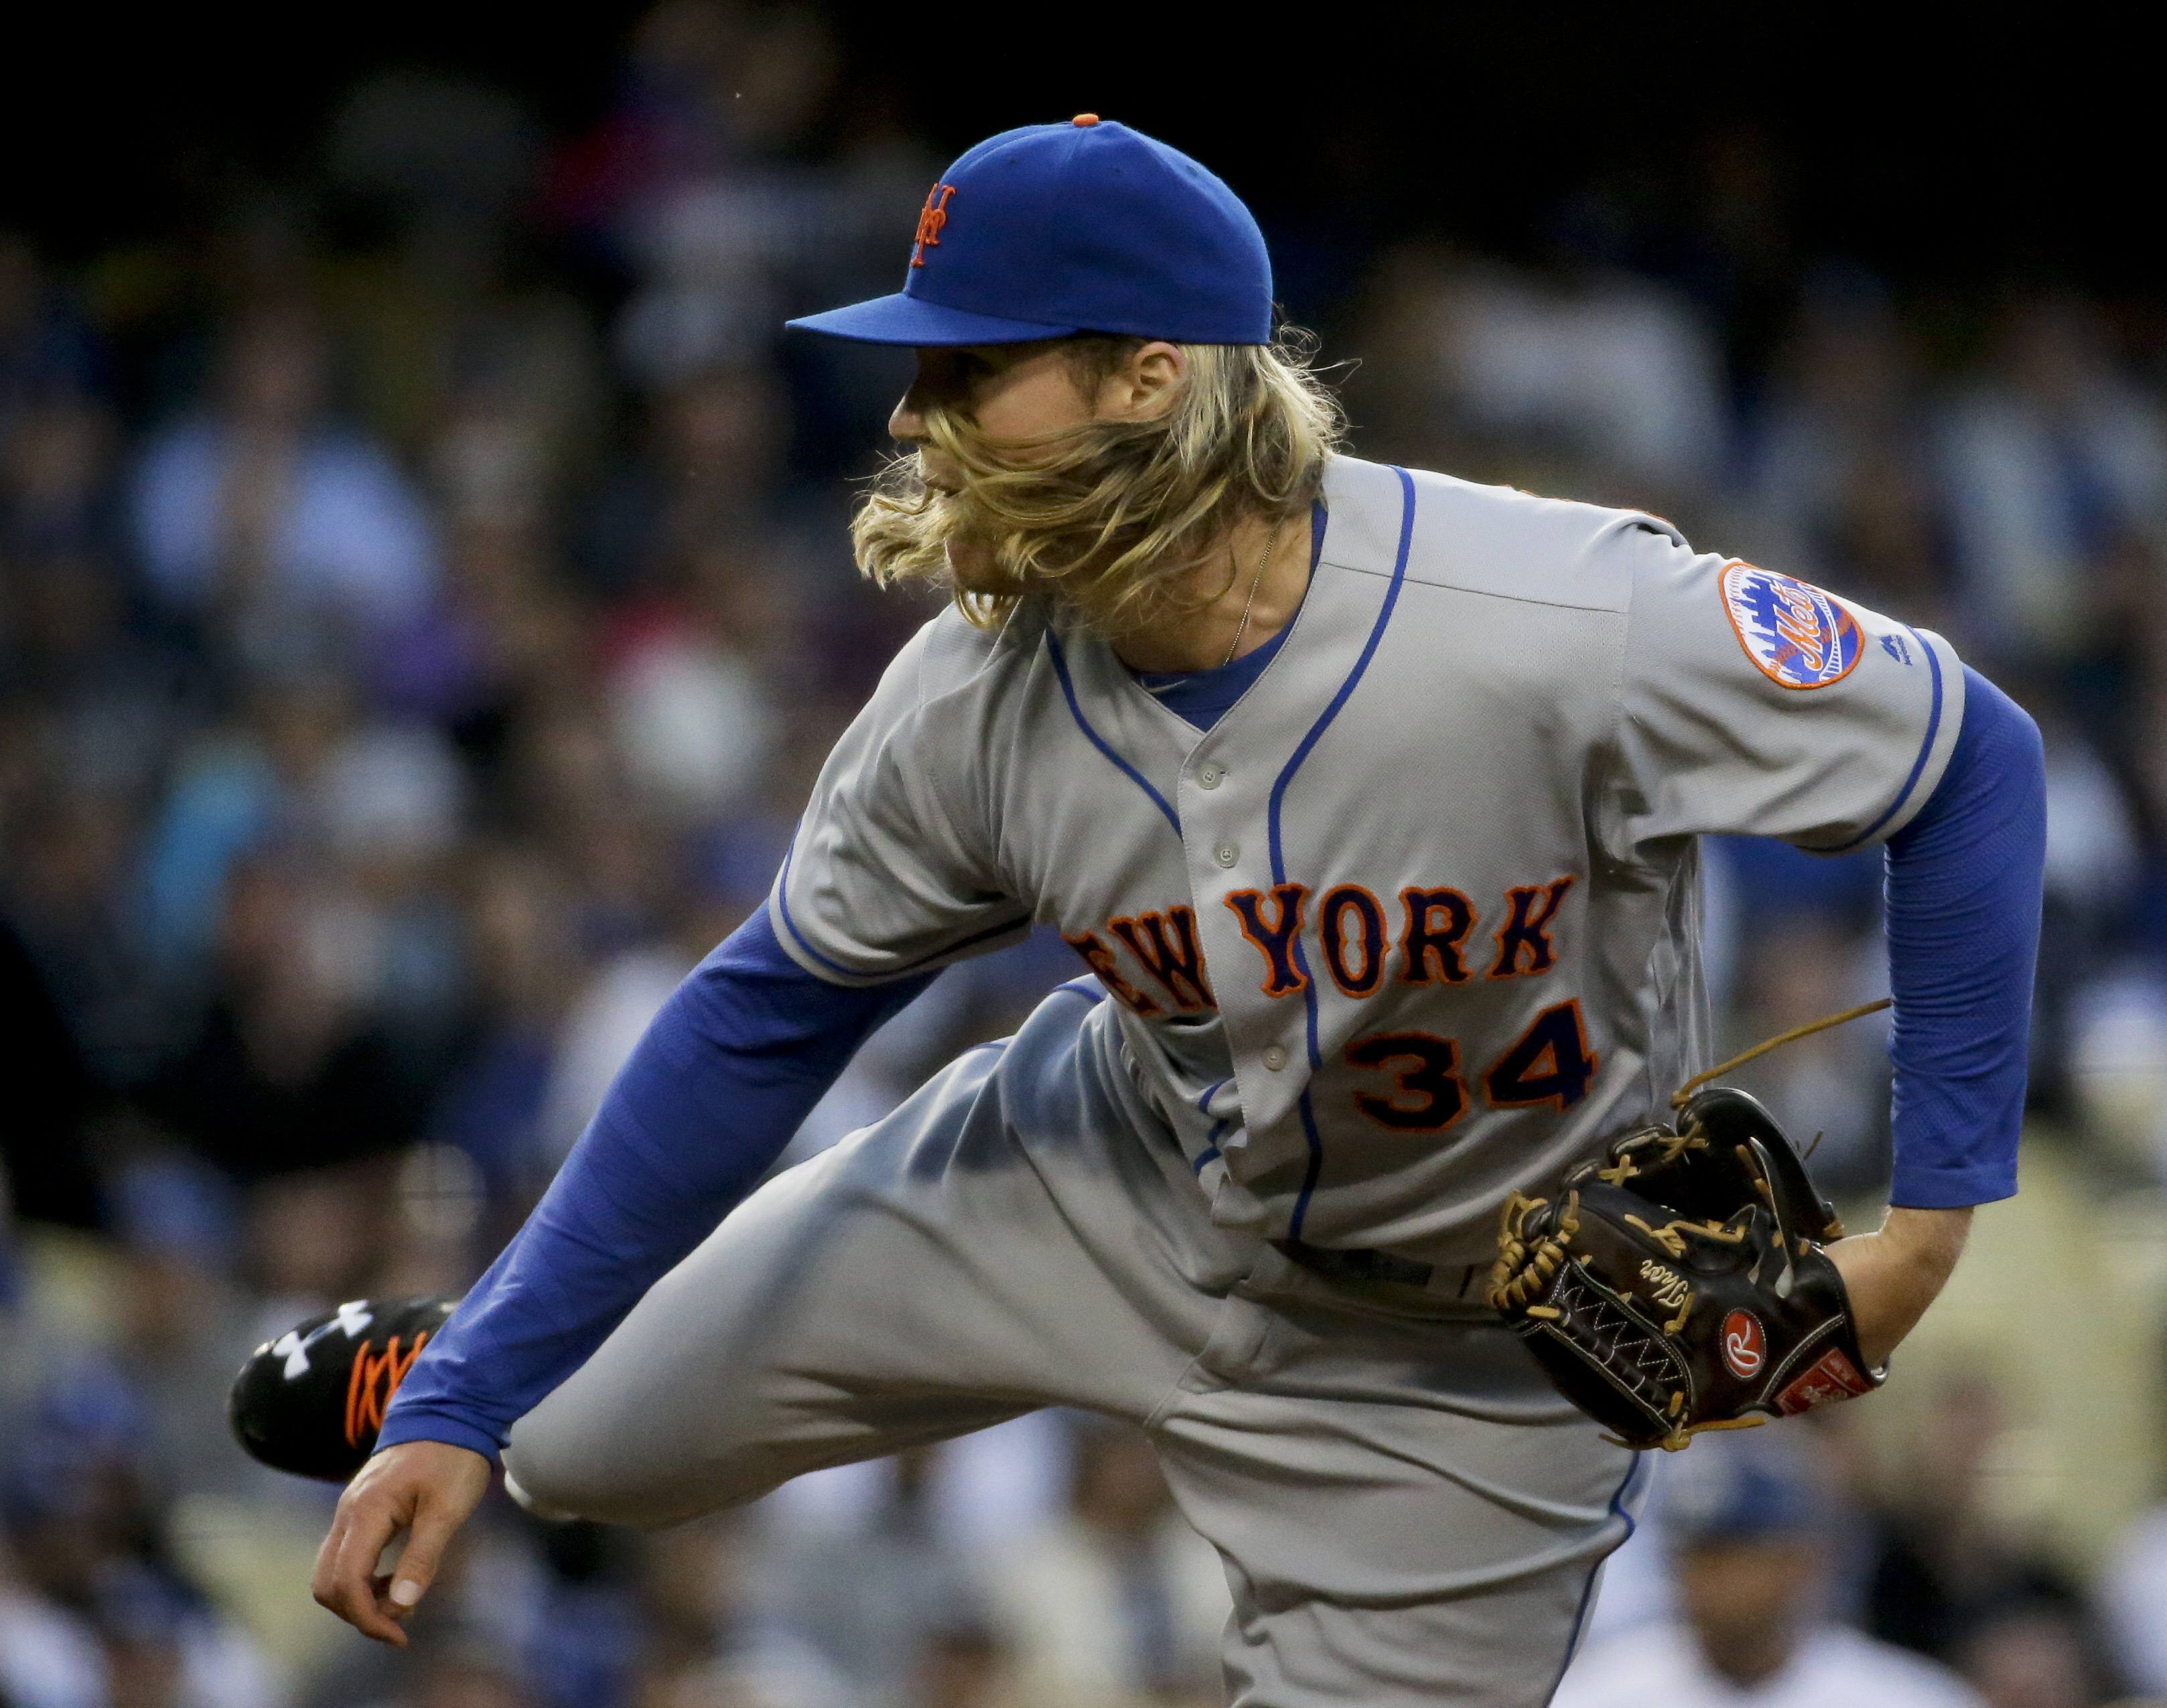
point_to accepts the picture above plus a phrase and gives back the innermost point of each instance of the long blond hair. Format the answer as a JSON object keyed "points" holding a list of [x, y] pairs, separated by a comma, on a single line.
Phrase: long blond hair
{"points": [[1114, 518]]}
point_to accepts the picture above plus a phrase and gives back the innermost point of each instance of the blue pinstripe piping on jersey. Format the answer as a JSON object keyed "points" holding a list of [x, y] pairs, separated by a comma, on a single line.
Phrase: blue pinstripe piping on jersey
{"points": [[1278, 853], [1098, 741], [1641, 1460], [782, 897], [1089, 988], [1919, 764], [1211, 1140]]}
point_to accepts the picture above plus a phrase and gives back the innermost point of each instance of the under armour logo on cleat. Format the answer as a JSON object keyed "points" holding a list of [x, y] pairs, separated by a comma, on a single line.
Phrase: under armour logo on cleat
{"points": [[353, 1318]]}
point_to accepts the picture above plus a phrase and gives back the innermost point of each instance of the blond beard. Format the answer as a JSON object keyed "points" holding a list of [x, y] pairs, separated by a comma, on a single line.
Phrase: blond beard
{"points": [[973, 565], [921, 527], [906, 531]]}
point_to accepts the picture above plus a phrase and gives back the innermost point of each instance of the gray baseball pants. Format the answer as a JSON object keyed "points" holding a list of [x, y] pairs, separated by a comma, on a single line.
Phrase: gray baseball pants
{"points": [[1408, 1512]]}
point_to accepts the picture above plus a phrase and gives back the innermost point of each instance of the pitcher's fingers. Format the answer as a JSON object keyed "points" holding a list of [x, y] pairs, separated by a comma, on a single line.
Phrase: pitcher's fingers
{"points": [[344, 1580], [323, 1577], [435, 1521]]}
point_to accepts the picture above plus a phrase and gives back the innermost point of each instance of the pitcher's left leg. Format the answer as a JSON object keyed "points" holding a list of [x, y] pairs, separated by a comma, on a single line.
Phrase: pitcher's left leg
{"points": [[1409, 1512]]}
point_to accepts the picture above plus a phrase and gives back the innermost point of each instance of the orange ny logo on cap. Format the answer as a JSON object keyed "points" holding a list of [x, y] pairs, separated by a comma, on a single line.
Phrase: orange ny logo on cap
{"points": [[929, 222]]}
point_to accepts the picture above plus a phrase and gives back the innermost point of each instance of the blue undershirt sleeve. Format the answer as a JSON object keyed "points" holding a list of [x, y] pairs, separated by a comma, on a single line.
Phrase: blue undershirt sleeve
{"points": [[729, 1068], [1964, 882]]}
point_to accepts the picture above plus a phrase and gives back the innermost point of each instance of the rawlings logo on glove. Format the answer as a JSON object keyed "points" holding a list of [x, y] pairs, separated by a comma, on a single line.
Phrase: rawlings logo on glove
{"points": [[1743, 1345]]}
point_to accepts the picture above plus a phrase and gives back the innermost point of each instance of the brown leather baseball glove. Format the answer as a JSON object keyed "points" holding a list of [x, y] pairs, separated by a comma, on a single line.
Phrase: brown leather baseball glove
{"points": [[1679, 1284]]}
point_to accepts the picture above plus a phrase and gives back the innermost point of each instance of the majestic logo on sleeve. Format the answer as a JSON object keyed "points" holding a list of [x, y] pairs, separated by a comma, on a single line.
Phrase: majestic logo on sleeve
{"points": [[1798, 634]]}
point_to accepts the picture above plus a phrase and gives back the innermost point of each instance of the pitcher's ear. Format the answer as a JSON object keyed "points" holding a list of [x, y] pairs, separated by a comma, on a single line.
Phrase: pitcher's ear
{"points": [[1145, 384]]}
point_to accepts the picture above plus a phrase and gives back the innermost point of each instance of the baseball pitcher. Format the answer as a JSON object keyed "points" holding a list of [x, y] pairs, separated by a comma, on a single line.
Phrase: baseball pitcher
{"points": [[1368, 799]]}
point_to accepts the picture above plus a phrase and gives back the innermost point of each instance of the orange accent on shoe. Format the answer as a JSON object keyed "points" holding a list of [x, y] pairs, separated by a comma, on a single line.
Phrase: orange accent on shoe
{"points": [[369, 1389]]}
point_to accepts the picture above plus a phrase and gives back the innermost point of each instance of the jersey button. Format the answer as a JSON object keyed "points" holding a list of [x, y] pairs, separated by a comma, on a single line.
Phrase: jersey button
{"points": [[1210, 776], [1225, 853], [1274, 1057]]}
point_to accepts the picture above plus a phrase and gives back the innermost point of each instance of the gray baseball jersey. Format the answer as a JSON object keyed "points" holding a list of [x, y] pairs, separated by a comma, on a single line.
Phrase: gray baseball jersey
{"points": [[1410, 925], [1414, 923]]}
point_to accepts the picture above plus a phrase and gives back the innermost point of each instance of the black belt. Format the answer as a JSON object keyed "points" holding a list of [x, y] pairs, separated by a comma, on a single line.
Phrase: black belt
{"points": [[1357, 1264]]}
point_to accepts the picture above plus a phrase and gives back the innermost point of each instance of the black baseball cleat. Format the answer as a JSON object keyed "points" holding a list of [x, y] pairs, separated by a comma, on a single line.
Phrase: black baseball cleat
{"points": [[312, 1401]]}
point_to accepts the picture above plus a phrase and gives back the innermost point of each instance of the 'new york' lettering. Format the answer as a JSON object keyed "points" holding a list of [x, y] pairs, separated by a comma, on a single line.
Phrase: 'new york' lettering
{"points": [[1435, 924]]}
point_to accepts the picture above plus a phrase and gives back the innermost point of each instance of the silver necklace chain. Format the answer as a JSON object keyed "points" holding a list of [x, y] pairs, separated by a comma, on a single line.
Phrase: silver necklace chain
{"points": [[1264, 563]]}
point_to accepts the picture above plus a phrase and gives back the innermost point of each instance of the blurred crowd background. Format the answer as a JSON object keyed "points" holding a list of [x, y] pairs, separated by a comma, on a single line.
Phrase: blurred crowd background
{"points": [[424, 602]]}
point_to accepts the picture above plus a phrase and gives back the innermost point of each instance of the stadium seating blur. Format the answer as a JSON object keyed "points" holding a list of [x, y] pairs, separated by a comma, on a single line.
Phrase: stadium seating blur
{"points": [[424, 602]]}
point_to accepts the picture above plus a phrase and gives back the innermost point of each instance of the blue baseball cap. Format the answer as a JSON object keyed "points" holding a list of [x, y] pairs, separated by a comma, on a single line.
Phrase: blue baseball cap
{"points": [[1083, 227]]}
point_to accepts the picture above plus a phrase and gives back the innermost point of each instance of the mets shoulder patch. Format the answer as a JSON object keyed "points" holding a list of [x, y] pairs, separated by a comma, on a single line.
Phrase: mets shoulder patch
{"points": [[1798, 635]]}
